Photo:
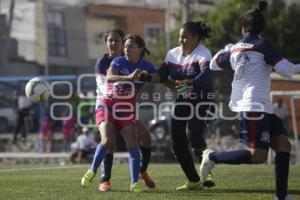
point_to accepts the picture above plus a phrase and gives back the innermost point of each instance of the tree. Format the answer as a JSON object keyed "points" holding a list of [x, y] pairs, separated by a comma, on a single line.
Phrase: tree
{"points": [[281, 27]]}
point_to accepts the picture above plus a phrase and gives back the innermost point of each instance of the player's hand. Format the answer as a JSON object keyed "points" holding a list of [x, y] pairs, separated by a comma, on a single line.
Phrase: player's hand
{"points": [[141, 75], [144, 77], [135, 74]]}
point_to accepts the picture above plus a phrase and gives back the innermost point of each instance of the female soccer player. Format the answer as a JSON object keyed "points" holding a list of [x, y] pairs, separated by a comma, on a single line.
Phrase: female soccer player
{"points": [[253, 58], [116, 109], [114, 42], [188, 66]]}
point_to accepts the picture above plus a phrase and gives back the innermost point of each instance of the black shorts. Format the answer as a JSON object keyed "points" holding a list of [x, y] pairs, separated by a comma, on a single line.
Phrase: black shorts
{"points": [[257, 128]]}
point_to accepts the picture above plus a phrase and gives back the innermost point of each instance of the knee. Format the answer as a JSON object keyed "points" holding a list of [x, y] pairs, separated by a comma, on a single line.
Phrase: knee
{"points": [[281, 144], [108, 143], [131, 140], [259, 157], [285, 146]]}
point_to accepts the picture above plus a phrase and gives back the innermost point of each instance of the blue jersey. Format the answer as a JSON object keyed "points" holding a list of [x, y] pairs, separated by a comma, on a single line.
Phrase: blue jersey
{"points": [[119, 89], [123, 67], [103, 64]]}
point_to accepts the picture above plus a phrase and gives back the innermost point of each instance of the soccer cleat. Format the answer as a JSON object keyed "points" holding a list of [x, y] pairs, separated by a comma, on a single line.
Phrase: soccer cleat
{"points": [[104, 186], [136, 187], [209, 181], [191, 186], [145, 178], [87, 178], [287, 197], [206, 165]]}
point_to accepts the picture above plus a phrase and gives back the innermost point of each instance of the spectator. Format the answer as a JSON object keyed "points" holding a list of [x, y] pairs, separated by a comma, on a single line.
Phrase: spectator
{"points": [[68, 129], [83, 148], [23, 111], [281, 111], [46, 132]]}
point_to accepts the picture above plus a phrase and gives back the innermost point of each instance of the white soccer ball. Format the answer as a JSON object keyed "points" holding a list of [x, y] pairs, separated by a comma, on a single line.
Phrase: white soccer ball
{"points": [[37, 90]]}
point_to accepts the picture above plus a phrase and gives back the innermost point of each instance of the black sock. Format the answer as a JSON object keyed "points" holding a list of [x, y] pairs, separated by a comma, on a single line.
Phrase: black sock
{"points": [[231, 157], [145, 159], [107, 167], [282, 162]]}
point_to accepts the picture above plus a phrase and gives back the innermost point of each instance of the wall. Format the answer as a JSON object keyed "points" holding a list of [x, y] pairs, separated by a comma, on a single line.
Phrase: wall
{"points": [[279, 84]]}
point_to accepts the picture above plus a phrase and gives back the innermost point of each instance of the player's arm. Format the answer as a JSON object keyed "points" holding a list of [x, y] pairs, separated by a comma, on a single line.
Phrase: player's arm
{"points": [[203, 77], [281, 65], [113, 75], [156, 76], [221, 60], [286, 69]]}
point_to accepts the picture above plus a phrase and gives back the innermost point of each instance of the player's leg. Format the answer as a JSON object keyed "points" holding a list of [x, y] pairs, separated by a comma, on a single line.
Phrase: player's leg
{"points": [[145, 148], [106, 169], [107, 131], [254, 133], [129, 134], [20, 122], [282, 147], [198, 144], [181, 150]]}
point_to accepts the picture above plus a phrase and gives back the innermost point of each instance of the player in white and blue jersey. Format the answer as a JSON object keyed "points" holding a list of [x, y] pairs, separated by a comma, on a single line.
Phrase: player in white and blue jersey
{"points": [[253, 59], [188, 67]]}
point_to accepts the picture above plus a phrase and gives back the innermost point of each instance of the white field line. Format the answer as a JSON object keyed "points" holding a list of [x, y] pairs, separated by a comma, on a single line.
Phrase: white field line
{"points": [[40, 168]]}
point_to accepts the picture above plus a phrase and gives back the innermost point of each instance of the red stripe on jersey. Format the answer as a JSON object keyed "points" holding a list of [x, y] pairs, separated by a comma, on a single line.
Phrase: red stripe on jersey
{"points": [[188, 64], [276, 62], [252, 134]]}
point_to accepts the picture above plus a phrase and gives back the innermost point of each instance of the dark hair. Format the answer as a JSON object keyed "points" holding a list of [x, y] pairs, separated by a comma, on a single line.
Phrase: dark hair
{"points": [[140, 43], [113, 30], [253, 20], [197, 28]]}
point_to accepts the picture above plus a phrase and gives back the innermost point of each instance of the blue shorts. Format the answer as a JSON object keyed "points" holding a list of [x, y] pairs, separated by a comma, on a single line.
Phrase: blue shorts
{"points": [[257, 128]]}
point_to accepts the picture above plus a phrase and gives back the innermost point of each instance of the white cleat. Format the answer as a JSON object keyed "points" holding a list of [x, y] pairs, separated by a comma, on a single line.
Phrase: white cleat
{"points": [[206, 164], [287, 197]]}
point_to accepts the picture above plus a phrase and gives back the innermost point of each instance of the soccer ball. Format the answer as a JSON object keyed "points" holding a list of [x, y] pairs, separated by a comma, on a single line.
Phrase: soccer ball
{"points": [[37, 90]]}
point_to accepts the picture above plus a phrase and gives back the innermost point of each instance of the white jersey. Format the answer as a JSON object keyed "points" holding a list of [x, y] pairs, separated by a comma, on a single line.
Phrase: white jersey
{"points": [[200, 56], [252, 60], [193, 68]]}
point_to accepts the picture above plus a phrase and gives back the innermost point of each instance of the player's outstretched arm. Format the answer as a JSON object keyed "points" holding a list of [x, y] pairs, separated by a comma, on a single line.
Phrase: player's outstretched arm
{"points": [[286, 69], [113, 75], [221, 60]]}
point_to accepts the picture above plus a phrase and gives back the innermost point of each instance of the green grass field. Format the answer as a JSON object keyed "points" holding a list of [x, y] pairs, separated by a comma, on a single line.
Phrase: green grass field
{"points": [[43, 182]]}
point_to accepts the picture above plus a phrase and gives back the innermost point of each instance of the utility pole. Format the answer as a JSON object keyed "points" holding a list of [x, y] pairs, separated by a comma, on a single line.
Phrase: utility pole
{"points": [[45, 12], [185, 10], [7, 40], [167, 25]]}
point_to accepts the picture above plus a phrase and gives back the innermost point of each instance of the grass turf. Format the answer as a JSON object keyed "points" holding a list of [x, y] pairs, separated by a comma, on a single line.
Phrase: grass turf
{"points": [[43, 182]]}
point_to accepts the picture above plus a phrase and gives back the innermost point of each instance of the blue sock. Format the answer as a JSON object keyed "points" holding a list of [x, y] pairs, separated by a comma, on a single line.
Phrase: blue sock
{"points": [[98, 157], [134, 163], [145, 159], [107, 166], [231, 157], [282, 162]]}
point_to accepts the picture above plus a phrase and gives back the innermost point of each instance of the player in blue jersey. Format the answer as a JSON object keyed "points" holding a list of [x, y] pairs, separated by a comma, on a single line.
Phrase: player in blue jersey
{"points": [[116, 110], [253, 59], [114, 40]]}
